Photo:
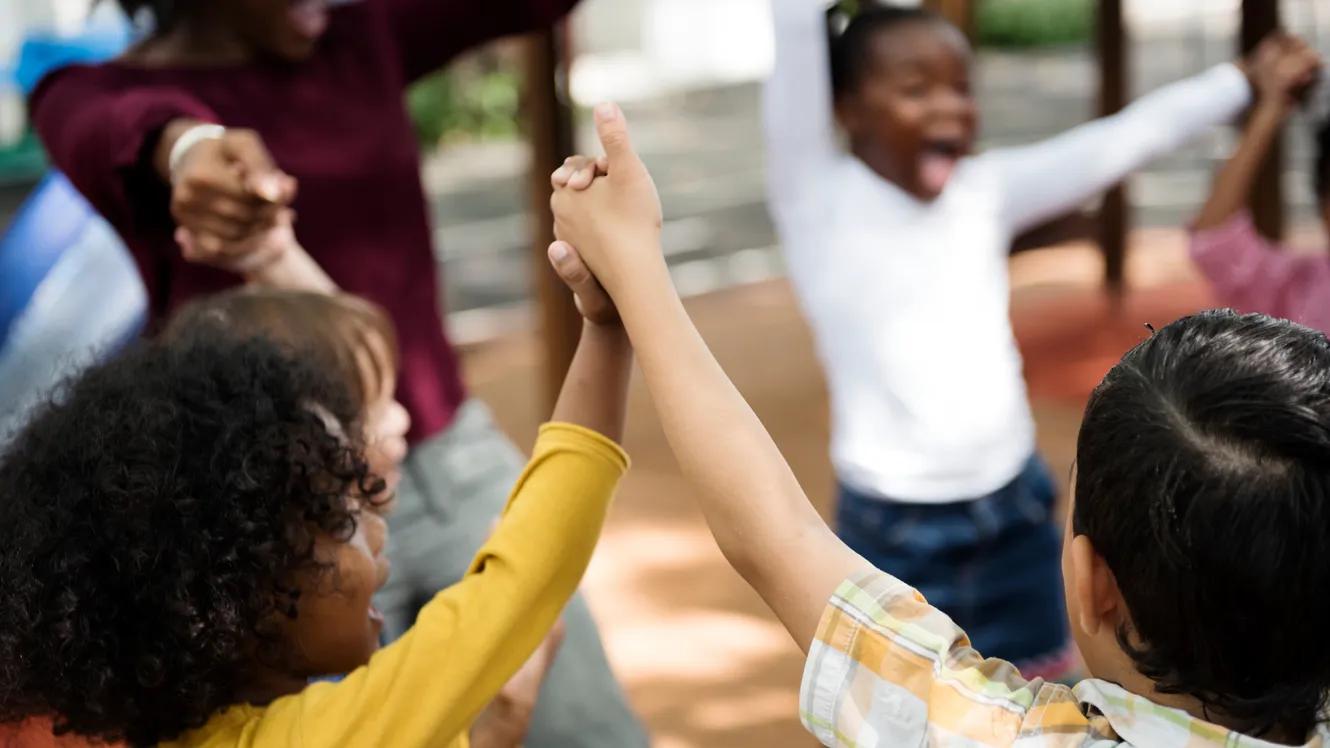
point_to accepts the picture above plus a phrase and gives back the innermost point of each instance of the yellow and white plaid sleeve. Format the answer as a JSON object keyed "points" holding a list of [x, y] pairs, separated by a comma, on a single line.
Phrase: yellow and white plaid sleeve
{"points": [[888, 669]]}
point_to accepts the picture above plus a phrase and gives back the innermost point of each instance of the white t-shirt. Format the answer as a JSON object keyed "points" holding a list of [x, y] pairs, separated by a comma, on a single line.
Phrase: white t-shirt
{"points": [[908, 300]]}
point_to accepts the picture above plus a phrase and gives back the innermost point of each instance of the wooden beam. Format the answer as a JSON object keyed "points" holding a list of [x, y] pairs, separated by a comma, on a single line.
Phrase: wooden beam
{"points": [[1260, 17], [549, 121], [1111, 41]]}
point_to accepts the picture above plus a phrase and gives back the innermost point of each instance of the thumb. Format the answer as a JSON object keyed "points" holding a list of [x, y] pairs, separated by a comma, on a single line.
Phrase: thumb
{"points": [[612, 129]]}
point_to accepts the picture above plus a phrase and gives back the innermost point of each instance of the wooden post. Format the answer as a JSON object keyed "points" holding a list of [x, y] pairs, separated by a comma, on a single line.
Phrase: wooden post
{"points": [[549, 121], [1111, 39], [1259, 17]]}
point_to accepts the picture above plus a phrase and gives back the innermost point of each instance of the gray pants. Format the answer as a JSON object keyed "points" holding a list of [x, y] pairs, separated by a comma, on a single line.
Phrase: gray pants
{"points": [[453, 487]]}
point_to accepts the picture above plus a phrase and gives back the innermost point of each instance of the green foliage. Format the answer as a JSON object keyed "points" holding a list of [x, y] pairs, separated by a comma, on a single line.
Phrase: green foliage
{"points": [[1032, 23], [468, 101], [22, 162]]}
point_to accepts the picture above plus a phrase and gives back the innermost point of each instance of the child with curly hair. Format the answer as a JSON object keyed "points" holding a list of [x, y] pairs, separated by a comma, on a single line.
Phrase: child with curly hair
{"points": [[190, 533]]}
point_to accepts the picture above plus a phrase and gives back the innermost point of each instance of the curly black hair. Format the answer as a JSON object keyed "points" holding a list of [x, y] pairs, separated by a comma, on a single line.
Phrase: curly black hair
{"points": [[1203, 478], [152, 517]]}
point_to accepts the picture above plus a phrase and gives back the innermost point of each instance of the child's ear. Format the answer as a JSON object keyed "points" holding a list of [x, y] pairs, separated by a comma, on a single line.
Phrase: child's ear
{"points": [[1098, 600]]}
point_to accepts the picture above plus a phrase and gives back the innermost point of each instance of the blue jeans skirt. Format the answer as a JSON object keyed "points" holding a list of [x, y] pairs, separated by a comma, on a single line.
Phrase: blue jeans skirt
{"points": [[993, 564]]}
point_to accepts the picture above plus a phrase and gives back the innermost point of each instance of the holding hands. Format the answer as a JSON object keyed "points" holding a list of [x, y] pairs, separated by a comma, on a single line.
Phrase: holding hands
{"points": [[226, 194], [1282, 68], [608, 208]]}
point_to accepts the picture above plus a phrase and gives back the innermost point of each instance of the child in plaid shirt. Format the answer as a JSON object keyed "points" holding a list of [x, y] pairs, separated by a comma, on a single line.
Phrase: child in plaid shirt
{"points": [[1193, 556]]}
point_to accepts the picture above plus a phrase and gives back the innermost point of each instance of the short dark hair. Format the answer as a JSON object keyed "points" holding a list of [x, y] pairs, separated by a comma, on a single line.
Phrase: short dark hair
{"points": [[153, 515], [1203, 478], [851, 28]]}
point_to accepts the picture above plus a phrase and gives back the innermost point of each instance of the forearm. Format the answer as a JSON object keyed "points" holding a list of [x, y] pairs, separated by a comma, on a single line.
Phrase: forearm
{"points": [[595, 389], [1234, 181], [294, 270], [161, 152], [104, 138], [760, 516], [1037, 184]]}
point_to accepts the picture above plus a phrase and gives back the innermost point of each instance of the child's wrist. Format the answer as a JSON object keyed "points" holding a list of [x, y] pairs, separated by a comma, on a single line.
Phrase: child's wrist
{"points": [[645, 268], [608, 334], [1273, 106]]}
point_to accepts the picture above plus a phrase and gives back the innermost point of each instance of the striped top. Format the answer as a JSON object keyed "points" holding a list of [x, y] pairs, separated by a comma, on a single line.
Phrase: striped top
{"points": [[888, 669]]}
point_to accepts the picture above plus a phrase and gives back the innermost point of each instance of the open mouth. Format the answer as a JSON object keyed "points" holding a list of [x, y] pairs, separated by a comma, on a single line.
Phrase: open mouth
{"points": [[308, 17], [375, 615], [937, 162]]}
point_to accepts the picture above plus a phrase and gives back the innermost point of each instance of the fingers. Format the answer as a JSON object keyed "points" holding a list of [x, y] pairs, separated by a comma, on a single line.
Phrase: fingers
{"points": [[253, 251], [276, 188], [258, 170], [218, 204], [582, 178], [578, 172], [612, 129], [592, 299]]}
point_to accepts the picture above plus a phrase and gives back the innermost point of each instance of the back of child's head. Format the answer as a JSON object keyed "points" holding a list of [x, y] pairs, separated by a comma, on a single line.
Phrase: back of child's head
{"points": [[853, 26], [1203, 479], [351, 337], [152, 515]]}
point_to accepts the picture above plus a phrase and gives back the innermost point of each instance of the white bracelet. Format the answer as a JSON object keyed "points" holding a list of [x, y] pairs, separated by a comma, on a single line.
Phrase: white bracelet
{"points": [[187, 140]]}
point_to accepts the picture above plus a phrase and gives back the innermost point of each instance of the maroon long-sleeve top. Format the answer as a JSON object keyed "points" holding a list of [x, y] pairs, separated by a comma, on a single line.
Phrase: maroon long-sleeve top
{"points": [[337, 122]]}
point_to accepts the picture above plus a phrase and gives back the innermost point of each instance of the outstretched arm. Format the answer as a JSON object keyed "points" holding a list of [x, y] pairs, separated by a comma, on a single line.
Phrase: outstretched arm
{"points": [[482, 628], [1043, 180], [1283, 67], [760, 516]]}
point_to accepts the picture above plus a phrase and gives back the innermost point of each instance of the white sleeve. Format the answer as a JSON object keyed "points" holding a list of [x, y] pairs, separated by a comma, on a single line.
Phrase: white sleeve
{"points": [[797, 104], [1043, 180]]}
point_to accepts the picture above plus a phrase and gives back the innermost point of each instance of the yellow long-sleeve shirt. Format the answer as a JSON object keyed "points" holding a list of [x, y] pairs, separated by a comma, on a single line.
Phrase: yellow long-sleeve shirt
{"points": [[426, 688]]}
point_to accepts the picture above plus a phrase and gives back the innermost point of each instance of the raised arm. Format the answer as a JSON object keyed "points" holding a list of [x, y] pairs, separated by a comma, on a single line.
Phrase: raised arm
{"points": [[1040, 181], [123, 146], [761, 518], [797, 109], [427, 687], [105, 138], [1282, 67]]}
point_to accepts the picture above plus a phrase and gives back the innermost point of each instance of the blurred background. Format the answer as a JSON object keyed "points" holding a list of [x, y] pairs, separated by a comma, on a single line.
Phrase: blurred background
{"points": [[704, 662]]}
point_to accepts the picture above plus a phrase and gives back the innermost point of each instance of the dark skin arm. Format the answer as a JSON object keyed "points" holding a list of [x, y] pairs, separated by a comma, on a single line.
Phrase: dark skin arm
{"points": [[225, 191], [1281, 69]]}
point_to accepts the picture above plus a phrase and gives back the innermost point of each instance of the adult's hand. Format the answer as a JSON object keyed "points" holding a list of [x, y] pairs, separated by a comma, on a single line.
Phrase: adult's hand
{"points": [[226, 191]]}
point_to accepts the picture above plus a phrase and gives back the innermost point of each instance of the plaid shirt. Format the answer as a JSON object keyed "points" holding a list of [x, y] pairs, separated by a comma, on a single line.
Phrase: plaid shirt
{"points": [[888, 669]]}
